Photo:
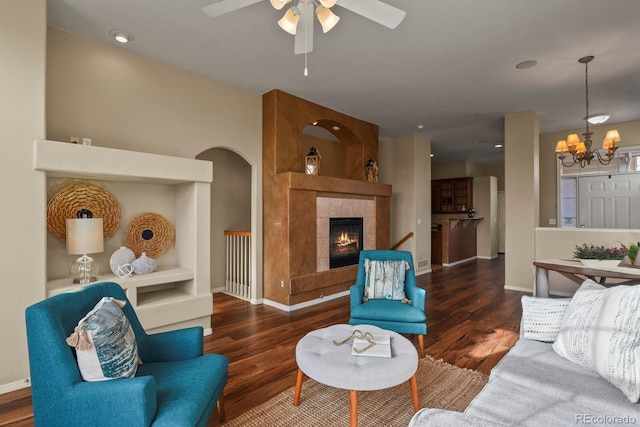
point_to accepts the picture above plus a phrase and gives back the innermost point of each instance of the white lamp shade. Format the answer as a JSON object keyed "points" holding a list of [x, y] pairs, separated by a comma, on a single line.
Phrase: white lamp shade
{"points": [[328, 3], [327, 19], [289, 22], [85, 236], [279, 4]]}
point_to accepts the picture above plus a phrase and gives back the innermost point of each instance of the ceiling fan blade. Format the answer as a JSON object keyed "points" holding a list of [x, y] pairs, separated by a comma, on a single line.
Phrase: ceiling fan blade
{"points": [[303, 42], [377, 11], [225, 6]]}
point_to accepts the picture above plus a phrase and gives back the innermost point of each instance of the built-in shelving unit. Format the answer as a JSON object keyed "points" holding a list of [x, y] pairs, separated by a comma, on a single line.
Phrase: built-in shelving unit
{"points": [[177, 294]]}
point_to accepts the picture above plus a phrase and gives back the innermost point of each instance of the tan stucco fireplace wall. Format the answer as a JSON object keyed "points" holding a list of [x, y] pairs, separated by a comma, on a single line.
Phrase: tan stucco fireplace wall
{"points": [[290, 198]]}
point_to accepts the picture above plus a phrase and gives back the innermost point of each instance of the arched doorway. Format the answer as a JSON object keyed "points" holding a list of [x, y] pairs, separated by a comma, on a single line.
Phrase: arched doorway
{"points": [[230, 209]]}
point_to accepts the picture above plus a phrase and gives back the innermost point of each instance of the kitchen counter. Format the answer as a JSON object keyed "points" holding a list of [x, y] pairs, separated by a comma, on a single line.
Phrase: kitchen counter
{"points": [[453, 240]]}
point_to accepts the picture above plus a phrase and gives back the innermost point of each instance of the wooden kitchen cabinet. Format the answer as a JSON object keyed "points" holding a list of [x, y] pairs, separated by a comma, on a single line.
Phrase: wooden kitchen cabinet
{"points": [[451, 195]]}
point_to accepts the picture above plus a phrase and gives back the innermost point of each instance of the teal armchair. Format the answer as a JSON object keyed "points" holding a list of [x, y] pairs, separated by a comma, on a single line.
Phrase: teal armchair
{"points": [[402, 317], [176, 385]]}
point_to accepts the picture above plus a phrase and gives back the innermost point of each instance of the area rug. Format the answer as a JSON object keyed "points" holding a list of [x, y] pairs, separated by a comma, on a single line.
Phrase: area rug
{"points": [[440, 385]]}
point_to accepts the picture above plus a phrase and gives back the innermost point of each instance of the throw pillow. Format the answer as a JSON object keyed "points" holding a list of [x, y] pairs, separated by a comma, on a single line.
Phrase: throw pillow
{"points": [[542, 317], [601, 332], [105, 343], [385, 279]]}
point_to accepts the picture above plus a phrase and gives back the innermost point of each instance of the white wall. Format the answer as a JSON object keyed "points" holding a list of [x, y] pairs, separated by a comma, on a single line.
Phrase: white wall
{"points": [[22, 223], [405, 164]]}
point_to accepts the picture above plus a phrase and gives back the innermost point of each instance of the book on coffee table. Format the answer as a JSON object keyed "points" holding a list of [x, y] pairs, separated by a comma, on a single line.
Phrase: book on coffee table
{"points": [[364, 347]]}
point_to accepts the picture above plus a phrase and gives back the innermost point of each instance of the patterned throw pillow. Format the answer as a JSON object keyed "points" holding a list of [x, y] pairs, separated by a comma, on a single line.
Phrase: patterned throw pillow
{"points": [[542, 317], [384, 279], [601, 332], [105, 343]]}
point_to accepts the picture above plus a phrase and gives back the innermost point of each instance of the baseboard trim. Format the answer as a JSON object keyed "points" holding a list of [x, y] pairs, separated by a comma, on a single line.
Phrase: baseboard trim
{"points": [[305, 304], [451, 264], [516, 288], [14, 386]]}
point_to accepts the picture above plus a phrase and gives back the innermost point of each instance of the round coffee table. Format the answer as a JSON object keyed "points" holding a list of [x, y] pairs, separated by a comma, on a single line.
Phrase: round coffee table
{"points": [[321, 359]]}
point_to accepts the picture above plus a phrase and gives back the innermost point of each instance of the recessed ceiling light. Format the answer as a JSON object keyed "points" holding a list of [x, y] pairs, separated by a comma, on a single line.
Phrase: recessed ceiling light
{"points": [[526, 64], [420, 126], [598, 119], [121, 36], [336, 128], [498, 145], [432, 154]]}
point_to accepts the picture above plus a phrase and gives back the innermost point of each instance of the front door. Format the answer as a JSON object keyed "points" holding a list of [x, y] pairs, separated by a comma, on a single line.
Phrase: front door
{"points": [[609, 201]]}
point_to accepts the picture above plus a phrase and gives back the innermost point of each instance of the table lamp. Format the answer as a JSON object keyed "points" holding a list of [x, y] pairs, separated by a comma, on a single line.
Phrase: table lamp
{"points": [[84, 236]]}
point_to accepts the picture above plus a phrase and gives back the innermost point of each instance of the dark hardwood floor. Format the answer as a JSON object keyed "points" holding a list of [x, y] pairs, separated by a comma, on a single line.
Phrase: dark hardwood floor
{"points": [[472, 322]]}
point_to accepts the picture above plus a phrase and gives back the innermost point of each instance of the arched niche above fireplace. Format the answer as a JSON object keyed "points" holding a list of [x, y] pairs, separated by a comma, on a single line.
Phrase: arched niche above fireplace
{"points": [[331, 139], [285, 118]]}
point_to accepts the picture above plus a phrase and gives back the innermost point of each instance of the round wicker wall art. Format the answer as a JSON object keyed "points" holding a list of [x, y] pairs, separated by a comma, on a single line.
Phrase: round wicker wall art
{"points": [[151, 233], [82, 199]]}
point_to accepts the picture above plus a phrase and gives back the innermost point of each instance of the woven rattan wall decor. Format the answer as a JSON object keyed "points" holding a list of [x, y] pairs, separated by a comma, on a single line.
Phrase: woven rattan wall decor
{"points": [[151, 233], [82, 198]]}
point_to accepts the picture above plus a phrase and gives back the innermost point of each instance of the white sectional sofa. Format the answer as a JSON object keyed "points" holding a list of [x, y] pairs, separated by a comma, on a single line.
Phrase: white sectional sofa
{"points": [[534, 386]]}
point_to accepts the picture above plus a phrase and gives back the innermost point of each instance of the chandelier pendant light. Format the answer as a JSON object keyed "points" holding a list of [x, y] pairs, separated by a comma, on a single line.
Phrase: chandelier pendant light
{"points": [[572, 151]]}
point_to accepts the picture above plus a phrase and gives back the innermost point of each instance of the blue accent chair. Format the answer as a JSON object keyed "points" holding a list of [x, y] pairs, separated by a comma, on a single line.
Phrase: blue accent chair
{"points": [[393, 315], [176, 385]]}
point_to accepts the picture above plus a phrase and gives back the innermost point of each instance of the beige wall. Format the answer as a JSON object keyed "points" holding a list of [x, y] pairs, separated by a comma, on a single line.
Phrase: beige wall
{"points": [[405, 164], [522, 132], [122, 100], [22, 225], [630, 135], [485, 202]]}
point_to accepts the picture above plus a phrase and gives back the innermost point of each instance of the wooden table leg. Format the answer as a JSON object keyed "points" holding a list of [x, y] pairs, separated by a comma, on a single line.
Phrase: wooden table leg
{"points": [[353, 404], [414, 393], [296, 397]]}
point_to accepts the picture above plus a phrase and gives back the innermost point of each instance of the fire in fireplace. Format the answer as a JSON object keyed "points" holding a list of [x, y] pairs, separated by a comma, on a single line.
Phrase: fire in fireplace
{"points": [[345, 241]]}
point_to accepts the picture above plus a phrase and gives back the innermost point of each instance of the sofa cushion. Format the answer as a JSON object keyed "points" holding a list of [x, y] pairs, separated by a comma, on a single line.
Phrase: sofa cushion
{"points": [[601, 332], [542, 317], [385, 279], [105, 344], [536, 366]]}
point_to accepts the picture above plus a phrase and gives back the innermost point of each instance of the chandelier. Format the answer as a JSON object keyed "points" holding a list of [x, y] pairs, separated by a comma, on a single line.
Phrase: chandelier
{"points": [[289, 21], [572, 151]]}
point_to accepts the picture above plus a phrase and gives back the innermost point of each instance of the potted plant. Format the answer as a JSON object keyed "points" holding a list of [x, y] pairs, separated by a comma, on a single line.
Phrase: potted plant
{"points": [[599, 256]]}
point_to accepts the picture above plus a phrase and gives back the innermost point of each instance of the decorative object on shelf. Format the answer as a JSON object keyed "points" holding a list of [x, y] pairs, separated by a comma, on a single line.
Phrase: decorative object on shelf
{"points": [[471, 212], [312, 162], [580, 152], [371, 171], [84, 236], [600, 256], [83, 199], [151, 233], [120, 262], [144, 264]]}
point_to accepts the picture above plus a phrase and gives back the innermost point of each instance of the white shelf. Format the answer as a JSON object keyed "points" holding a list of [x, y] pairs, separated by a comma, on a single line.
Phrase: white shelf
{"points": [[178, 293], [162, 275]]}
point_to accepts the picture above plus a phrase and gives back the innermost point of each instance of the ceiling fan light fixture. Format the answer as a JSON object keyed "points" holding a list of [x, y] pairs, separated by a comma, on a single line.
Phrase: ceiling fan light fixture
{"points": [[327, 18], [328, 3], [289, 22], [279, 4]]}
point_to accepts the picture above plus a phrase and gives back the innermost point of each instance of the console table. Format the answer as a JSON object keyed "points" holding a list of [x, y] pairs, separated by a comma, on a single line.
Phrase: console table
{"points": [[576, 272]]}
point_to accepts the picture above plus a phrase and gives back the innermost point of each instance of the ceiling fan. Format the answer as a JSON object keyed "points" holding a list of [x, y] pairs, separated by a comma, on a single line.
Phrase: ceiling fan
{"points": [[298, 19]]}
